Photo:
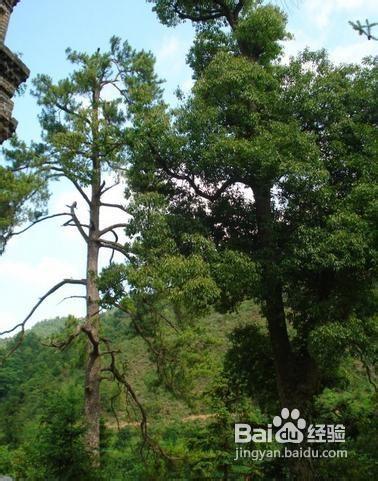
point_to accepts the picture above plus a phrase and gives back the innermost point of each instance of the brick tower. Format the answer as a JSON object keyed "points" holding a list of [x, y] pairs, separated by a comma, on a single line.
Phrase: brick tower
{"points": [[13, 73]]}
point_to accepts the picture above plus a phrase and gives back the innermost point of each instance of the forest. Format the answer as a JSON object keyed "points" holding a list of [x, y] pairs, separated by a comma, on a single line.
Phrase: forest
{"points": [[232, 334]]}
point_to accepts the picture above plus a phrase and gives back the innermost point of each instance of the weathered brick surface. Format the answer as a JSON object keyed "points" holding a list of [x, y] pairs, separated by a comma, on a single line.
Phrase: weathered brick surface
{"points": [[13, 72], [4, 20]]}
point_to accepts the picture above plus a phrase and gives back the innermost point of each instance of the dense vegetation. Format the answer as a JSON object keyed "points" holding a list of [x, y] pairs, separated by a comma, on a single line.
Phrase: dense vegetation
{"points": [[41, 402], [41, 405], [249, 275]]}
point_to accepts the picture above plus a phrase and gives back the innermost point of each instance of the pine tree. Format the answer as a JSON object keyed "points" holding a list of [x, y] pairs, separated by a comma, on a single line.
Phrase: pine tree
{"points": [[85, 136]]}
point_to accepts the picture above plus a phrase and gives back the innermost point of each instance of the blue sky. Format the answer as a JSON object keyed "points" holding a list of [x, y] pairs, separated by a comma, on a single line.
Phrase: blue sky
{"points": [[41, 30]]}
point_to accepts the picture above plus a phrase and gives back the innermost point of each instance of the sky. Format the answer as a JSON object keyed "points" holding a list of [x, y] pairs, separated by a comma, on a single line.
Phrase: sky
{"points": [[40, 31]]}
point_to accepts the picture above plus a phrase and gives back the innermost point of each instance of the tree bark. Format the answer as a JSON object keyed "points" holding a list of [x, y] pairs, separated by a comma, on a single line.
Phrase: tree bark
{"points": [[273, 298], [296, 381], [92, 326], [92, 398]]}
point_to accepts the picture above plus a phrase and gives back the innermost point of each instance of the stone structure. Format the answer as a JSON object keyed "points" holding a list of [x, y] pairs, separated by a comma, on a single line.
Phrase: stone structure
{"points": [[13, 73]]}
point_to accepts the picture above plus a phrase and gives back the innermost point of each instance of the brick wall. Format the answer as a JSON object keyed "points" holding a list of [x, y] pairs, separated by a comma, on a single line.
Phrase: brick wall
{"points": [[4, 21]]}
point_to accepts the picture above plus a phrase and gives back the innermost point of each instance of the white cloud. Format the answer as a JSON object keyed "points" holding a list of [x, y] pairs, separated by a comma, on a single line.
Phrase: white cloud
{"points": [[7, 320], [300, 41], [31, 280], [320, 12], [171, 57], [187, 85], [170, 48], [354, 52], [46, 272]]}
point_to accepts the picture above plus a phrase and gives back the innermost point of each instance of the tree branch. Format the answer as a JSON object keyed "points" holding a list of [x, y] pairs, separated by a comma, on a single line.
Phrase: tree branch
{"points": [[110, 187], [81, 191], [88, 331], [191, 180], [113, 251], [73, 181], [42, 299], [111, 228], [121, 378], [62, 345], [114, 246], [201, 17], [77, 222], [116, 206], [72, 297], [41, 219], [69, 111]]}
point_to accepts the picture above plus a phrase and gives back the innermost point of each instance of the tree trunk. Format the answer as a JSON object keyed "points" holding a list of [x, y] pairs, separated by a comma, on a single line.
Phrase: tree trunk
{"points": [[295, 380], [272, 296], [291, 376], [92, 327]]}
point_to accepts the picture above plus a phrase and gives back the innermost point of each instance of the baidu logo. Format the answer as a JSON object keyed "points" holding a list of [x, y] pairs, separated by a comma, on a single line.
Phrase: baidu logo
{"points": [[290, 427]]}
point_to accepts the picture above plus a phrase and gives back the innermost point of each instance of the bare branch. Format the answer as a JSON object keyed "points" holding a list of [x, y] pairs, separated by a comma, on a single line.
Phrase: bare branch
{"points": [[114, 246], [72, 180], [121, 378], [42, 299], [113, 251], [22, 324], [62, 345], [116, 206], [109, 188], [41, 219], [72, 297], [81, 191], [112, 399], [70, 223], [111, 228], [77, 222]]}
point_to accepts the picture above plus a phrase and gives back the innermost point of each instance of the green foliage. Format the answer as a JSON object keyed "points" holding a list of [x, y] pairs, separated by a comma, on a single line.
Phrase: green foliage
{"points": [[274, 162], [84, 119], [58, 452], [5, 460], [209, 41], [260, 31], [260, 185], [247, 366], [41, 402], [333, 342], [23, 195], [41, 398]]}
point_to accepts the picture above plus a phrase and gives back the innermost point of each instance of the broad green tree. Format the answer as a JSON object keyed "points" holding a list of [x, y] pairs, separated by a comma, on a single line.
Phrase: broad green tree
{"points": [[84, 124], [275, 162]]}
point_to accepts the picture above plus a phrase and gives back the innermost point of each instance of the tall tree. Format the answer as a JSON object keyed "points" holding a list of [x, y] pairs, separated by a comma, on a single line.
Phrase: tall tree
{"points": [[274, 161], [84, 123]]}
